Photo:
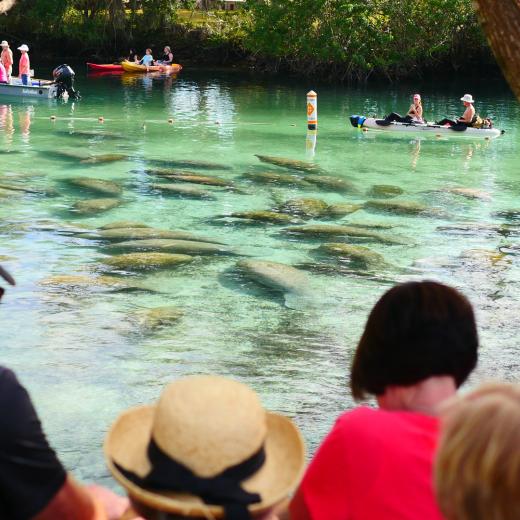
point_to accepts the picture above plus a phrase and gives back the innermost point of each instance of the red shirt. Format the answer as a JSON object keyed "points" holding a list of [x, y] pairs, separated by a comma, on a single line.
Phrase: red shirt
{"points": [[373, 465], [25, 65]]}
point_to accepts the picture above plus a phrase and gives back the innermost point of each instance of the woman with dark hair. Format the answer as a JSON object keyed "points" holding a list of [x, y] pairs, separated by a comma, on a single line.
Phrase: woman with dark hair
{"points": [[419, 345]]}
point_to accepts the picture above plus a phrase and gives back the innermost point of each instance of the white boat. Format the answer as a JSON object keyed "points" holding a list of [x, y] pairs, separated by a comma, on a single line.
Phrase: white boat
{"points": [[39, 88], [425, 129]]}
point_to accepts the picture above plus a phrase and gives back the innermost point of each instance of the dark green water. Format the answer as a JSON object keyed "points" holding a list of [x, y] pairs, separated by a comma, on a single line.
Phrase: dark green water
{"points": [[83, 351]]}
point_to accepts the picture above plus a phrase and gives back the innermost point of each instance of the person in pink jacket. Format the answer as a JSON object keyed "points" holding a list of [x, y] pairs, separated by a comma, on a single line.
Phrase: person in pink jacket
{"points": [[7, 59], [3, 73], [24, 69]]}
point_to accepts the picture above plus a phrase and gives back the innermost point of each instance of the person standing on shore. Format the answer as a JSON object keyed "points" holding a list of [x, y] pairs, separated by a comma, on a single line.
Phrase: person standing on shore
{"points": [[7, 59], [24, 68]]}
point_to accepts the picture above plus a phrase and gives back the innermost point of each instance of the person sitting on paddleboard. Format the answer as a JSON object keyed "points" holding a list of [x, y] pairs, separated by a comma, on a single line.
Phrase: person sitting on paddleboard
{"points": [[147, 59], [469, 118], [167, 58], [415, 111], [414, 114]]}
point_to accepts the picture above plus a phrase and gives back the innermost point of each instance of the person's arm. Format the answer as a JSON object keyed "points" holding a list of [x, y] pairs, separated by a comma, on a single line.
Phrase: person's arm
{"points": [[72, 502], [419, 111], [33, 483]]}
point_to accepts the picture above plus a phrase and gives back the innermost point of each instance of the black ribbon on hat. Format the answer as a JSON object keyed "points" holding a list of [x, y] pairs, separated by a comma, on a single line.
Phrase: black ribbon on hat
{"points": [[224, 489]]}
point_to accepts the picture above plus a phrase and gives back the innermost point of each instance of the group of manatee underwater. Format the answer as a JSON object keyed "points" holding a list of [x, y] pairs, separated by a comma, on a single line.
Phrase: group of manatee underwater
{"points": [[334, 242]]}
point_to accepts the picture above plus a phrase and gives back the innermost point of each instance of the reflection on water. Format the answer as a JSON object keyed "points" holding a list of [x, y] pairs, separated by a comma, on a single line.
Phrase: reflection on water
{"points": [[91, 333]]}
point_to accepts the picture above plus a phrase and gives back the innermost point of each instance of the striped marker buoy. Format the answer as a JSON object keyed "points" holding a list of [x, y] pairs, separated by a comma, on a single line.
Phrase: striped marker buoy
{"points": [[312, 110]]}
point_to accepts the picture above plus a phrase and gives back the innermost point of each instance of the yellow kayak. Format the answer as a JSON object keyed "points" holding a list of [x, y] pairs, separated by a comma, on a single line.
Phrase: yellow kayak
{"points": [[129, 66]]}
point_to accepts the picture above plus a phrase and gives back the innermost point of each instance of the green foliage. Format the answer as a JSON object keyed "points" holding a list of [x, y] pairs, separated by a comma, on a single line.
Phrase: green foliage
{"points": [[353, 38], [343, 39]]}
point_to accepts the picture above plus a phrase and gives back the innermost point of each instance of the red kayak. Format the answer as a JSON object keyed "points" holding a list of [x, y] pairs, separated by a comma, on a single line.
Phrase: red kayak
{"points": [[107, 67]]}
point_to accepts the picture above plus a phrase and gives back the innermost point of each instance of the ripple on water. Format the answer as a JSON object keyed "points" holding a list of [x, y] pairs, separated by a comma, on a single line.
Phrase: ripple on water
{"points": [[440, 209]]}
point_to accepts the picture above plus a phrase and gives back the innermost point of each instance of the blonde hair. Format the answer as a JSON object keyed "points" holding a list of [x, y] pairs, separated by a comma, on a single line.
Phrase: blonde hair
{"points": [[477, 472]]}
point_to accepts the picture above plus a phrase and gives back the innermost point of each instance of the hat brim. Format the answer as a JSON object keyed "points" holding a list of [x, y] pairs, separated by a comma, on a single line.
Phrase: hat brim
{"points": [[127, 442]]}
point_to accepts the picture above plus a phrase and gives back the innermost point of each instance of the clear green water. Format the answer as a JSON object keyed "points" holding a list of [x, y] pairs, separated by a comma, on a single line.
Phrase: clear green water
{"points": [[81, 352]]}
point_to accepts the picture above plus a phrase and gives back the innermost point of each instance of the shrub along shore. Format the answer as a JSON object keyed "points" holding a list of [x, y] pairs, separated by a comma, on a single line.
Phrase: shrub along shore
{"points": [[337, 40]]}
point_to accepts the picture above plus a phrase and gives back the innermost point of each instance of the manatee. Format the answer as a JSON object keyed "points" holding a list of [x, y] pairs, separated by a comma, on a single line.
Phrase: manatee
{"points": [[146, 261], [402, 207], [124, 224], [328, 182], [37, 191], [291, 164], [150, 319], [357, 256], [306, 207], [181, 163], [263, 216], [278, 178], [7, 194], [66, 156], [508, 214], [91, 133], [274, 275], [96, 185], [92, 206], [469, 193], [183, 191], [89, 282], [342, 209], [384, 191], [143, 234], [105, 158], [194, 178], [475, 228], [201, 179], [319, 230], [483, 256], [187, 247], [371, 225]]}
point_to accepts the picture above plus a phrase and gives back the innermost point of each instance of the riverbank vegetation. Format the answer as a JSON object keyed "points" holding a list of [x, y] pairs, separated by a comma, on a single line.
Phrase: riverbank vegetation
{"points": [[336, 39]]}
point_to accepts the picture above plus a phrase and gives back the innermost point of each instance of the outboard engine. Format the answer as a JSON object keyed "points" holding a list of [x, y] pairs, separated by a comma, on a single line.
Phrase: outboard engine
{"points": [[64, 79]]}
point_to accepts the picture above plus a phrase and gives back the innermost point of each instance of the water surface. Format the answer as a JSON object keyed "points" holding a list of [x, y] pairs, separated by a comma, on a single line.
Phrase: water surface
{"points": [[82, 353]]}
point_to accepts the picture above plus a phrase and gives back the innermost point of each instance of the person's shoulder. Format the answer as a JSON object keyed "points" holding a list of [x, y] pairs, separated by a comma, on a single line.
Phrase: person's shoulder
{"points": [[7, 378], [365, 421]]}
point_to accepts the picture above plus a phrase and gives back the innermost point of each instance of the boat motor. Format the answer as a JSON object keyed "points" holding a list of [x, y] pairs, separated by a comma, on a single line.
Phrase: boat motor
{"points": [[64, 79]]}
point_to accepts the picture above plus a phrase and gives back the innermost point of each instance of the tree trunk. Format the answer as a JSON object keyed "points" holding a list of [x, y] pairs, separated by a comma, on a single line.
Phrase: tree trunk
{"points": [[501, 23]]}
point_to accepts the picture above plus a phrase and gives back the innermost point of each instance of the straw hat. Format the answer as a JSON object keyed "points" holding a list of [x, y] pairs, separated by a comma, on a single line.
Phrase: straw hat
{"points": [[23, 48], [4, 44], [206, 424], [468, 98]]}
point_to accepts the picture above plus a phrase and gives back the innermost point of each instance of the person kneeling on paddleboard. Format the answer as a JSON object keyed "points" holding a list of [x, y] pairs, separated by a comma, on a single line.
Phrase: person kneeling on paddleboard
{"points": [[414, 114]]}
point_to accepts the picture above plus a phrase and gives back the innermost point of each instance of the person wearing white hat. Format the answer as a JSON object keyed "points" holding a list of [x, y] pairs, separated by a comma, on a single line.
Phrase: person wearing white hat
{"points": [[7, 59], [467, 119], [206, 449], [24, 67]]}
